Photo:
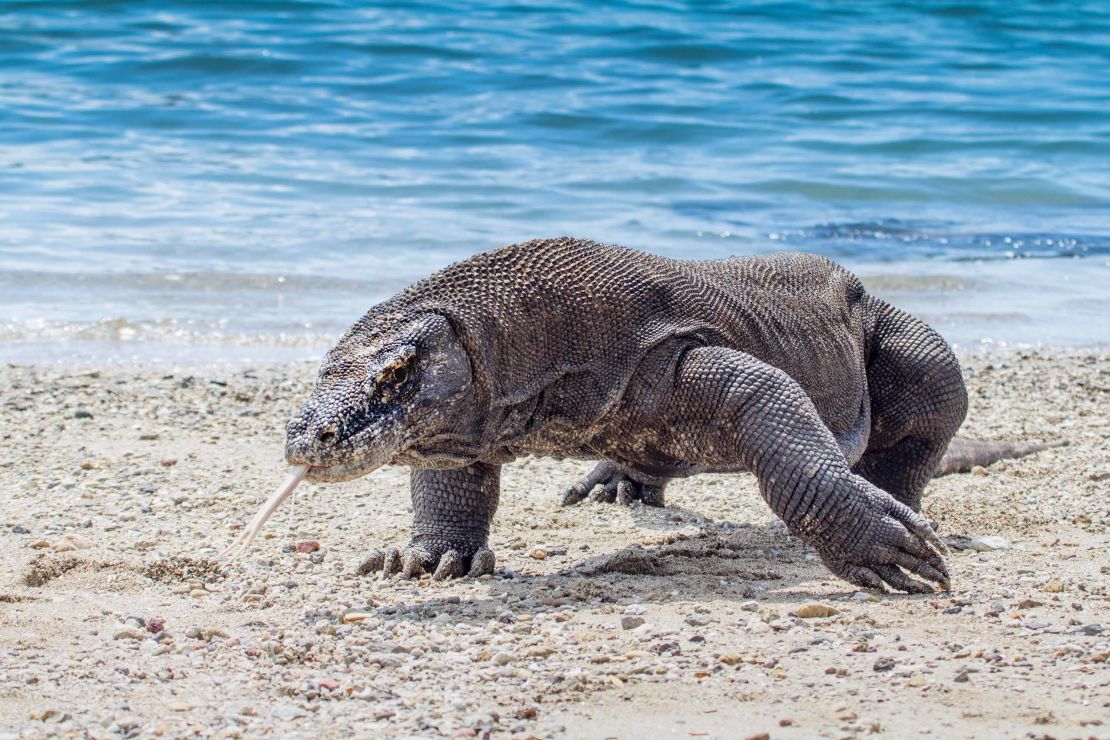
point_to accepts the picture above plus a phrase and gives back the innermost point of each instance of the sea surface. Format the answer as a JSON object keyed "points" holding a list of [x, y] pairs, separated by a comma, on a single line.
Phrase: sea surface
{"points": [[240, 180]]}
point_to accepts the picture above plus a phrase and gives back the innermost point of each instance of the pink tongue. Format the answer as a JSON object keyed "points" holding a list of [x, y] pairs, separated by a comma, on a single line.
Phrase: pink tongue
{"points": [[236, 548]]}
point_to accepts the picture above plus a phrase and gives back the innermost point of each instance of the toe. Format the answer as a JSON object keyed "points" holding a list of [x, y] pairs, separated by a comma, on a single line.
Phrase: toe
{"points": [[899, 580], [391, 562], [450, 566], [572, 496], [922, 569], [605, 494], [864, 577], [373, 563], [626, 492], [482, 563], [412, 563]]}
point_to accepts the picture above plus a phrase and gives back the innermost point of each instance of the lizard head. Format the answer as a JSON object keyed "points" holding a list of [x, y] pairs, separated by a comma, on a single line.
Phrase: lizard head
{"points": [[392, 389]]}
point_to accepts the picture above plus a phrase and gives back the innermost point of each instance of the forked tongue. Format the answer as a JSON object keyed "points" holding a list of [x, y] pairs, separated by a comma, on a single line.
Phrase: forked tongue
{"points": [[236, 548]]}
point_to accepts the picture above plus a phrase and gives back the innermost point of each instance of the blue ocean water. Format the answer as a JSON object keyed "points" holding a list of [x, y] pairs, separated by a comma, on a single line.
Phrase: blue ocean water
{"points": [[244, 178]]}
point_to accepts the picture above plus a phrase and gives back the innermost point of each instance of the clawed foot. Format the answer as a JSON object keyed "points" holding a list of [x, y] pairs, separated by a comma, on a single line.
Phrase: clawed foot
{"points": [[608, 483], [894, 543], [443, 562]]}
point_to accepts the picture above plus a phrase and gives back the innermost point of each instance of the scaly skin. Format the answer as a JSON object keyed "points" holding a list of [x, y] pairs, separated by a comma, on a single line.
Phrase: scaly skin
{"points": [[782, 365]]}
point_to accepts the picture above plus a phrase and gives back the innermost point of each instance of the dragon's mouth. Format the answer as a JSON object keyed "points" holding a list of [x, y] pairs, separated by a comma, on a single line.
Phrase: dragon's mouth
{"points": [[342, 471]]}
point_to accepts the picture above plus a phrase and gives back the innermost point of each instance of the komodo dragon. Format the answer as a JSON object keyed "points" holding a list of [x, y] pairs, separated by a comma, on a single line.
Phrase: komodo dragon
{"points": [[781, 365]]}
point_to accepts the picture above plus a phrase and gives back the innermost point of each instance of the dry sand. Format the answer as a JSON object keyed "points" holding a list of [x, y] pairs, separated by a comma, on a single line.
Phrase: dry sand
{"points": [[121, 483]]}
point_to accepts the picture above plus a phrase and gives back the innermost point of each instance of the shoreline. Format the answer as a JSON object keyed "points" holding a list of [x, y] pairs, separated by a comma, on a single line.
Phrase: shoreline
{"points": [[122, 480]]}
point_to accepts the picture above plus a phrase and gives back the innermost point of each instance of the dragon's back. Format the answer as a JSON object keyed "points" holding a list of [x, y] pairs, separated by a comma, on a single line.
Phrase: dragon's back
{"points": [[572, 318]]}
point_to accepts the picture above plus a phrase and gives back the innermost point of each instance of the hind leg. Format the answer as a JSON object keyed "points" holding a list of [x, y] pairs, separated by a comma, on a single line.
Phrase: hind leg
{"points": [[609, 482], [918, 401]]}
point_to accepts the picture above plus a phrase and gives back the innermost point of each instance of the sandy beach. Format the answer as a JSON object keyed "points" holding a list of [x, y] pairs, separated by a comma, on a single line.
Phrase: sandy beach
{"points": [[703, 619]]}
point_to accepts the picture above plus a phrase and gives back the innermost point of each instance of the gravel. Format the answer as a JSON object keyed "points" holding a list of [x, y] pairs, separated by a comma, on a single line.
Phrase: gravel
{"points": [[704, 617]]}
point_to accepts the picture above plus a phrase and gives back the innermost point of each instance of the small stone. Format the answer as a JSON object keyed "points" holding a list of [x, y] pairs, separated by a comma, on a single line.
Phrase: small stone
{"points": [[696, 620], [864, 596], [1053, 586], [989, 543], [128, 634], [356, 617], [1029, 604], [749, 606], [329, 683], [39, 544], [731, 658], [82, 414], [883, 664], [813, 611], [168, 462], [537, 553], [71, 542], [501, 659], [1091, 630], [308, 546], [631, 622], [978, 470], [635, 609], [156, 625]]}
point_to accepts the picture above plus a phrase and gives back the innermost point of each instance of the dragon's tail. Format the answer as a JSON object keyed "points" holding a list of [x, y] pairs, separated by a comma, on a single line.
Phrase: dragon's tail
{"points": [[963, 454]]}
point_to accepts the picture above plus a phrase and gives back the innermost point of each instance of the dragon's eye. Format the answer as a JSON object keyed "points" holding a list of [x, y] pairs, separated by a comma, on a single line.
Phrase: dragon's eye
{"points": [[399, 375]]}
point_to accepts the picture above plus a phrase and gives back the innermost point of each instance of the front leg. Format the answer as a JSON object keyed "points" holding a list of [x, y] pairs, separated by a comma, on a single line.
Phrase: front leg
{"points": [[452, 511], [727, 406]]}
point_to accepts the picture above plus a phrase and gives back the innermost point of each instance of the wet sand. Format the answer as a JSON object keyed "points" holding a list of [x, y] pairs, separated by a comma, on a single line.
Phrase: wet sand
{"points": [[121, 483]]}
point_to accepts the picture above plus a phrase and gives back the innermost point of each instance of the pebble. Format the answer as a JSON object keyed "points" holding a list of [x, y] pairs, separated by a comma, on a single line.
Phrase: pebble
{"points": [[812, 611], [696, 620], [989, 543], [128, 634], [864, 596], [71, 542], [883, 664], [356, 617], [537, 553], [631, 622], [749, 606], [635, 609], [308, 546], [1053, 586]]}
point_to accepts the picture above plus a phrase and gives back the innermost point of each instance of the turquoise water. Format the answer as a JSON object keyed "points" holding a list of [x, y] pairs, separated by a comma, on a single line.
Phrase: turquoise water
{"points": [[243, 179]]}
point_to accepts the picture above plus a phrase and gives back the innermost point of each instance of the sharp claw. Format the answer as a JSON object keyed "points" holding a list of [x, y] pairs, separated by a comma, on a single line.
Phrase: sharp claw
{"points": [[372, 563], [450, 566], [482, 563], [626, 494], [391, 562]]}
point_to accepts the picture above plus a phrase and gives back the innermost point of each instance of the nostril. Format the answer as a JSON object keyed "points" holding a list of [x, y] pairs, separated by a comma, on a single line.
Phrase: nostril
{"points": [[326, 436]]}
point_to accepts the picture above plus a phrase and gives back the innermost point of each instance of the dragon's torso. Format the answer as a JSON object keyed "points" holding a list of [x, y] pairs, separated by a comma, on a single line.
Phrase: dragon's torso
{"points": [[571, 337]]}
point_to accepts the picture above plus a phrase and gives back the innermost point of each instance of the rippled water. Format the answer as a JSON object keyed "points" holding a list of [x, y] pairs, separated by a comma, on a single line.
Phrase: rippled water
{"points": [[241, 175]]}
